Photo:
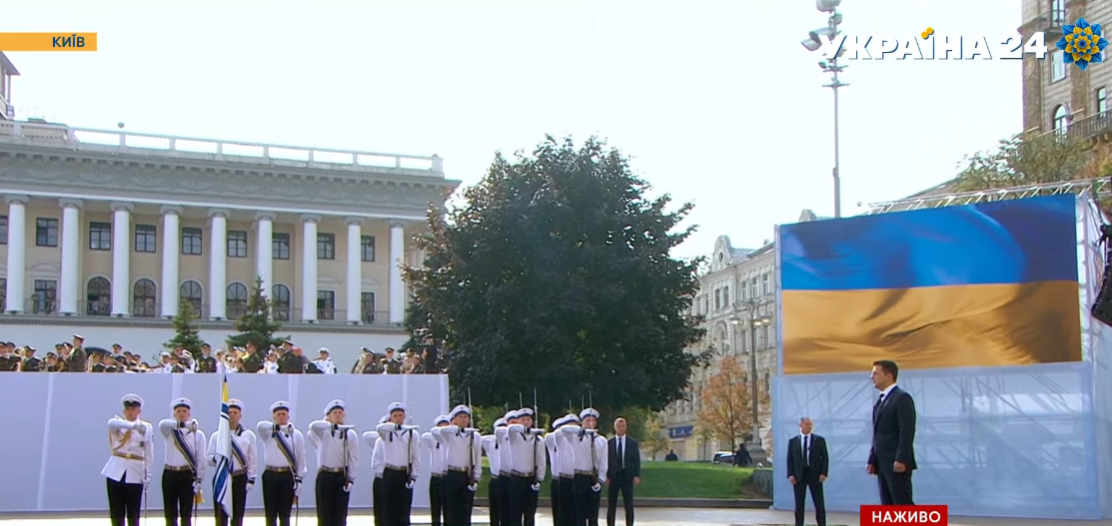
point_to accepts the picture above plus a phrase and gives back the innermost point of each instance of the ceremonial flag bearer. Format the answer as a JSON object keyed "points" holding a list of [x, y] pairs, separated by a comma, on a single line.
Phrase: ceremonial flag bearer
{"points": [[182, 474], [243, 463], [465, 465], [337, 455], [437, 467], [128, 469], [285, 464], [401, 463]]}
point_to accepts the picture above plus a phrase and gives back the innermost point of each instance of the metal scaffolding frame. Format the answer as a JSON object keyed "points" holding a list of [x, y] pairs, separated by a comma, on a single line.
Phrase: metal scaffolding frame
{"points": [[1096, 187]]}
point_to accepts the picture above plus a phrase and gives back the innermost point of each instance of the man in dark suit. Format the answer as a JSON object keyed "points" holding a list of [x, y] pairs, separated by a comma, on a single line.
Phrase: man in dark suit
{"points": [[622, 473], [892, 457], [808, 465]]}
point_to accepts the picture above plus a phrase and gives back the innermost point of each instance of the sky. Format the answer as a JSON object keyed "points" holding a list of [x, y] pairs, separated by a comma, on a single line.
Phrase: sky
{"points": [[716, 102]]}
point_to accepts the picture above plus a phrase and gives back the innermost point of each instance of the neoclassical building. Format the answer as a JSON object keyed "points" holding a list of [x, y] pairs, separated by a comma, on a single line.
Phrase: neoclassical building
{"points": [[108, 230]]}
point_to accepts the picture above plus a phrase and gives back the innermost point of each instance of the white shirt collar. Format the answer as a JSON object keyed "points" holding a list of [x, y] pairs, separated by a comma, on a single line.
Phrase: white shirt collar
{"points": [[804, 435], [887, 391]]}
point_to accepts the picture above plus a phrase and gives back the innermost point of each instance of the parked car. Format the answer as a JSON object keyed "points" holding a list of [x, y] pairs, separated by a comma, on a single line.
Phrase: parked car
{"points": [[723, 457]]}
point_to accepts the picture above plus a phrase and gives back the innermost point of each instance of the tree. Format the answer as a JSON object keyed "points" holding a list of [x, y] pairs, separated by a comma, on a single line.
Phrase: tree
{"points": [[653, 441], [256, 325], [186, 335], [726, 409], [556, 273]]}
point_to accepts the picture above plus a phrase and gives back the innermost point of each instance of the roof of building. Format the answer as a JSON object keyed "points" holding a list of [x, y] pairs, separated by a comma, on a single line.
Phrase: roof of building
{"points": [[9, 68]]}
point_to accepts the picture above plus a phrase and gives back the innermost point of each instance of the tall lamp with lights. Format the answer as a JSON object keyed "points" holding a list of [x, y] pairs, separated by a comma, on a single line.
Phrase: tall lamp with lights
{"points": [[813, 43], [755, 321]]}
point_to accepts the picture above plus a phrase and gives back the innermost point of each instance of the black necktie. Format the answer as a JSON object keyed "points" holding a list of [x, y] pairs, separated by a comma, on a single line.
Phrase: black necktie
{"points": [[621, 451], [876, 406], [807, 450]]}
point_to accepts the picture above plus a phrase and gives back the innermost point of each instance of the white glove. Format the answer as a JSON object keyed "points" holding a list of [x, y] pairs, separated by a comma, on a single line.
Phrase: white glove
{"points": [[596, 488], [192, 425], [212, 461], [345, 427], [536, 486], [140, 427], [196, 486], [473, 487], [249, 486], [296, 485], [347, 488], [409, 485]]}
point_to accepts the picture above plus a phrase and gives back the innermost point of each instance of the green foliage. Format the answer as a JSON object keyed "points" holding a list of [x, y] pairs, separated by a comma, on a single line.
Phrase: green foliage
{"points": [[1028, 160], [557, 274], [678, 480], [654, 441], [186, 335], [257, 325]]}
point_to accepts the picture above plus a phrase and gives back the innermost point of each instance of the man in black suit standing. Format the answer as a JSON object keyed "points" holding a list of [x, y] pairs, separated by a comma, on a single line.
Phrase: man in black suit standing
{"points": [[622, 473], [808, 465], [892, 457]]}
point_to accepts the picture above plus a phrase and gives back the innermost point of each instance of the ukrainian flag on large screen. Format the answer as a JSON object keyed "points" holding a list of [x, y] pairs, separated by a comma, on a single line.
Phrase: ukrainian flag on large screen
{"points": [[989, 284]]}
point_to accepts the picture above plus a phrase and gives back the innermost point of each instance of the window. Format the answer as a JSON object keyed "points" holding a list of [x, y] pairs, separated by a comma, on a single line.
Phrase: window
{"points": [[3, 230], [1057, 66], [191, 291], [726, 296], [326, 305], [326, 246], [368, 244], [1059, 122], [766, 289], [143, 297], [744, 347], [98, 297], [744, 290], [46, 232], [45, 299], [1058, 12], [281, 300], [191, 241], [100, 236], [146, 238], [236, 301], [368, 302], [1102, 100], [280, 246], [237, 244], [717, 299]]}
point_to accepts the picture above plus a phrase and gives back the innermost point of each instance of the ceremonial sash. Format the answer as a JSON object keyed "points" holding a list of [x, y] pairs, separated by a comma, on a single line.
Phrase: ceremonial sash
{"points": [[123, 441], [238, 453], [185, 450], [286, 450]]}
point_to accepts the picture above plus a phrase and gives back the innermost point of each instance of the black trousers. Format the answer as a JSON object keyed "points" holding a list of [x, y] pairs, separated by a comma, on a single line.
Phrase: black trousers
{"points": [[523, 501], [554, 498], [621, 483], [397, 499], [239, 503], [810, 481], [278, 497], [332, 500], [567, 501], [895, 488], [436, 499], [586, 500], [496, 496], [458, 500], [125, 501], [177, 497], [505, 511], [376, 501]]}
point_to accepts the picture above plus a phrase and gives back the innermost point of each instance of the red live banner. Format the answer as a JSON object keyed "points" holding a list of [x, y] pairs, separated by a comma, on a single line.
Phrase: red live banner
{"points": [[932, 514]]}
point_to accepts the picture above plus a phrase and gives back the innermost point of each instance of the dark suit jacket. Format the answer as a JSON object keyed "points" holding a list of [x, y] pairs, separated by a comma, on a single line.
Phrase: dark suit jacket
{"points": [[819, 461], [632, 458], [894, 432]]}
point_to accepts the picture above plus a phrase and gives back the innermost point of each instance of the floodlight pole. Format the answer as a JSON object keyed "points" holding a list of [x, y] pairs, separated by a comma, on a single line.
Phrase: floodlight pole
{"points": [[833, 68]]}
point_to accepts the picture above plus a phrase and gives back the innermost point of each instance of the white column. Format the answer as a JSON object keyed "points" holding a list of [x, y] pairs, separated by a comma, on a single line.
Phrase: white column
{"points": [[121, 258], [309, 267], [355, 270], [71, 256], [17, 252], [171, 247], [397, 259], [264, 250], [218, 263]]}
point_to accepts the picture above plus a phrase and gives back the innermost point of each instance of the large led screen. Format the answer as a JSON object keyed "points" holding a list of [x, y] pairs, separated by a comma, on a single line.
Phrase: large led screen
{"points": [[982, 285]]}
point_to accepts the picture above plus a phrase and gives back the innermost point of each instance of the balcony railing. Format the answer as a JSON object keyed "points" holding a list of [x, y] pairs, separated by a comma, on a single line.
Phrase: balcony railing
{"points": [[146, 309], [1093, 126], [42, 134]]}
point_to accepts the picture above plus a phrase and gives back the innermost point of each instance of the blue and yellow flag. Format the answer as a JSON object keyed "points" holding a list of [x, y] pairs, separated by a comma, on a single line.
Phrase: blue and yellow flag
{"points": [[222, 481], [983, 285]]}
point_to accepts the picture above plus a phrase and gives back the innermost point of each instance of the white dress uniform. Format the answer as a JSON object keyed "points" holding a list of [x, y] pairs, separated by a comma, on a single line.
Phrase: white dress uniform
{"points": [[284, 450], [128, 469], [244, 465], [402, 465], [184, 467], [465, 467], [338, 457], [564, 469], [497, 449], [378, 467], [529, 470], [434, 452], [590, 451]]}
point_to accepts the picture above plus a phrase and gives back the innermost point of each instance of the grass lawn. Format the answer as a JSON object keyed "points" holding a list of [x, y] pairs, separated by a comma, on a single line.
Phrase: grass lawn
{"points": [[678, 480]]}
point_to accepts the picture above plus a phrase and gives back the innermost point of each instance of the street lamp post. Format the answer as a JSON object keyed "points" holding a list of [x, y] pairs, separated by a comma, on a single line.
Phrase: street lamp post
{"points": [[755, 321], [831, 66]]}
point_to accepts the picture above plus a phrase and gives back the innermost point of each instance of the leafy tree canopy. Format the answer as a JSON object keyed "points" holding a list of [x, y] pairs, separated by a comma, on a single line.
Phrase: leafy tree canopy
{"points": [[726, 411], [557, 274], [256, 324], [1032, 159]]}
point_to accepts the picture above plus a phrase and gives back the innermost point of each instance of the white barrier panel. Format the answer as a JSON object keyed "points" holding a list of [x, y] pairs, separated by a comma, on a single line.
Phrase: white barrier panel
{"points": [[55, 440]]}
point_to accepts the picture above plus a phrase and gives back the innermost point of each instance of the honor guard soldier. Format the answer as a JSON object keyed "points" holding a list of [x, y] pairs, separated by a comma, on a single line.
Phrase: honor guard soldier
{"points": [[31, 363], [496, 490], [527, 447], [285, 464], [338, 457], [590, 450], [77, 361], [378, 467], [185, 468], [463, 450], [554, 462], [402, 465], [506, 465], [244, 463], [565, 457], [128, 470], [206, 363], [435, 454]]}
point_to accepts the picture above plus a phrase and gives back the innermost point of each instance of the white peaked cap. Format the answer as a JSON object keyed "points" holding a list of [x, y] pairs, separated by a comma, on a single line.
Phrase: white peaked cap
{"points": [[563, 420], [131, 398], [571, 417], [590, 411], [181, 402], [335, 404], [235, 403], [441, 419], [459, 410], [396, 406], [281, 404], [524, 412], [512, 415], [501, 422]]}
